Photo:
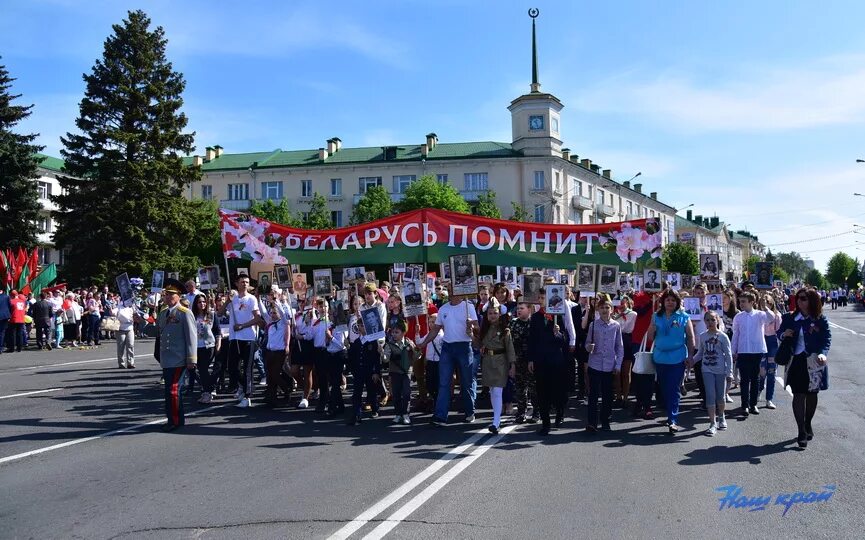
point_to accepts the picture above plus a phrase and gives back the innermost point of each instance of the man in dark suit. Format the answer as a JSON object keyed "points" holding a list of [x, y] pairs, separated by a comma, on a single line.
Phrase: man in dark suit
{"points": [[547, 348]]}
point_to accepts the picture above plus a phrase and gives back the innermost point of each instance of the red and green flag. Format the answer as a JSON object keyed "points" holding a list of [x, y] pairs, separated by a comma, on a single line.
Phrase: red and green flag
{"points": [[432, 236]]}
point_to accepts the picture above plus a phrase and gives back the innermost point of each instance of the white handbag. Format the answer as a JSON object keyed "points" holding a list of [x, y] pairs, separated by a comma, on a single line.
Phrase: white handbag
{"points": [[643, 362]]}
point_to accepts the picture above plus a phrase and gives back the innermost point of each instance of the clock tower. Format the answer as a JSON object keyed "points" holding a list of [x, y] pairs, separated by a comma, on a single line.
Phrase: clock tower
{"points": [[535, 116]]}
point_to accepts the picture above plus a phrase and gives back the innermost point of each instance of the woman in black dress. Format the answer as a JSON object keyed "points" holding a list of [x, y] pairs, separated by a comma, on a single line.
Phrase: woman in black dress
{"points": [[806, 372]]}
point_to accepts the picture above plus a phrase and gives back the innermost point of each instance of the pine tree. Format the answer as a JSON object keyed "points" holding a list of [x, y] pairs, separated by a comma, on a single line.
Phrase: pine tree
{"points": [[123, 209], [19, 198]]}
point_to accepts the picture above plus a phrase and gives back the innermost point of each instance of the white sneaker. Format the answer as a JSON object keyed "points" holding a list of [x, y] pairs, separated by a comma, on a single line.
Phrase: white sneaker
{"points": [[213, 393], [722, 424], [727, 398], [303, 404], [244, 403], [712, 430], [770, 405], [397, 419], [205, 398], [406, 420], [263, 382]]}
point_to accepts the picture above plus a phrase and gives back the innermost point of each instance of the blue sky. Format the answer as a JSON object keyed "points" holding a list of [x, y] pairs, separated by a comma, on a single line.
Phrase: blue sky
{"points": [[753, 111]]}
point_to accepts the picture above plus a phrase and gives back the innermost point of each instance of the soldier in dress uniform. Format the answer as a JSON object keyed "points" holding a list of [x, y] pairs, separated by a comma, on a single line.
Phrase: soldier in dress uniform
{"points": [[176, 342]]}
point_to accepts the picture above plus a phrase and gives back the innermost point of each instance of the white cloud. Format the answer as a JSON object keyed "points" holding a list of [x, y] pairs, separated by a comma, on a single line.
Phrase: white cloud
{"points": [[823, 93]]}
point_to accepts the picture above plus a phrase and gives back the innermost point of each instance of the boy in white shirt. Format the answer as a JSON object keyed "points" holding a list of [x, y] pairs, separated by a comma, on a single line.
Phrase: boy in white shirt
{"points": [[748, 347]]}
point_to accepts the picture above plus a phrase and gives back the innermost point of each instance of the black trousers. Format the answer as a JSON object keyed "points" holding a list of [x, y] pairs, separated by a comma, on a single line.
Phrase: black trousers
{"points": [[600, 385], [582, 357], [240, 359], [335, 366], [749, 378], [322, 368], [552, 388]]}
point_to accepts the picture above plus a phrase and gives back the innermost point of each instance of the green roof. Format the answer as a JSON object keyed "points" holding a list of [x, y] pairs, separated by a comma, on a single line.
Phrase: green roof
{"points": [[51, 163], [372, 154]]}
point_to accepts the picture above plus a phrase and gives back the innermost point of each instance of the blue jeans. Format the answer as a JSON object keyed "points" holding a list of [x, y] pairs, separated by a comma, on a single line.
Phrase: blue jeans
{"points": [[767, 377], [456, 355], [669, 379]]}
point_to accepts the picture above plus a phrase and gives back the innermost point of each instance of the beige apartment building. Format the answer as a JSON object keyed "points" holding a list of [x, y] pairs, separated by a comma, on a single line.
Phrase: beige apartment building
{"points": [[534, 170]]}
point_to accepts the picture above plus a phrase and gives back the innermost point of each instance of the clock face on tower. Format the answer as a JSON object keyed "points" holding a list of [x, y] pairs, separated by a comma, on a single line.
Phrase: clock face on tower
{"points": [[536, 122]]}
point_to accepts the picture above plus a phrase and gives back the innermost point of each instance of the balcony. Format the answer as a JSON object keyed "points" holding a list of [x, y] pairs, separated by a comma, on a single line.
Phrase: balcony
{"points": [[632, 216], [394, 197], [472, 195], [580, 202], [605, 210], [235, 204]]}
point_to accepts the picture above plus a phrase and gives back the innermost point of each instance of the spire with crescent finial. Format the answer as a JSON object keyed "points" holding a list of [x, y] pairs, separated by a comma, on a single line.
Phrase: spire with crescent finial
{"points": [[536, 86]]}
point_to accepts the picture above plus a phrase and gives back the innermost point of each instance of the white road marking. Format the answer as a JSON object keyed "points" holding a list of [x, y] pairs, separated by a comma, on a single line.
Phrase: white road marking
{"points": [[352, 526], [31, 393], [44, 366], [408, 508], [854, 332], [102, 435]]}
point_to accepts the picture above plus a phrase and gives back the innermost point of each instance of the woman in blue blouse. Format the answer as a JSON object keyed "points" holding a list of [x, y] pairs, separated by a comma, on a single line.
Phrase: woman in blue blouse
{"points": [[673, 335], [806, 371]]}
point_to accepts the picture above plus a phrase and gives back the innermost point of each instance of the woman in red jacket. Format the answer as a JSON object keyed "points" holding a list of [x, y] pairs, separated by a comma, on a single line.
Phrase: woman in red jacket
{"points": [[16, 321]]}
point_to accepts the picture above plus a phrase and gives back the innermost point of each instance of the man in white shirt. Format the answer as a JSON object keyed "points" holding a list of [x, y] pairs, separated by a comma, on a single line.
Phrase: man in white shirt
{"points": [[458, 319], [244, 317], [191, 292], [748, 347]]}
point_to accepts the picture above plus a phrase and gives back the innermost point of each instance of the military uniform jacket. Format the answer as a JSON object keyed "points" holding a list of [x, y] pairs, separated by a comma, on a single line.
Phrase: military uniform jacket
{"points": [[176, 337]]}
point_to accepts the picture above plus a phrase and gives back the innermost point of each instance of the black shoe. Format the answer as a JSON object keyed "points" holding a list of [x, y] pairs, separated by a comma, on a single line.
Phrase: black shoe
{"points": [[169, 427], [559, 420], [591, 430], [803, 443], [493, 429], [745, 411], [521, 418], [606, 427], [755, 410], [532, 419], [352, 421], [545, 430], [809, 434]]}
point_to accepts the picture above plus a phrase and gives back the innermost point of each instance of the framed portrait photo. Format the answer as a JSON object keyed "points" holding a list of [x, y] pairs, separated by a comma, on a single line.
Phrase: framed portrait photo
{"points": [[353, 274], [710, 268], [507, 275], [608, 279], [587, 279], [373, 326], [412, 298], [554, 299], [692, 306], [531, 287], [156, 282], [322, 279], [464, 274], [265, 280], [651, 280], [283, 276]]}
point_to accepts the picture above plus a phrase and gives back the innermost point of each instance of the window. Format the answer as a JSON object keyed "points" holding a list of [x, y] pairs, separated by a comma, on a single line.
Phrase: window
{"points": [[366, 182], [558, 213], [539, 180], [61, 257], [442, 178], [306, 188], [206, 192], [557, 180], [305, 216], [238, 192], [555, 124], [612, 200], [402, 182], [43, 224], [336, 218], [271, 190], [44, 189], [540, 215], [601, 195], [576, 216], [336, 187], [576, 187], [476, 181], [44, 256]]}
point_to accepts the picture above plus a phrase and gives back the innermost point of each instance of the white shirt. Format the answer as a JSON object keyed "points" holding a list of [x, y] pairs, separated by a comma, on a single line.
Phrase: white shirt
{"points": [[337, 344], [242, 310], [125, 317], [799, 348], [434, 347], [748, 337], [190, 297], [452, 318], [628, 321], [569, 323], [316, 331]]}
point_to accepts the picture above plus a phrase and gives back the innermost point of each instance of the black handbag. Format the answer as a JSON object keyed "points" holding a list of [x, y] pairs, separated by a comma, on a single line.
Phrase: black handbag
{"points": [[785, 351]]}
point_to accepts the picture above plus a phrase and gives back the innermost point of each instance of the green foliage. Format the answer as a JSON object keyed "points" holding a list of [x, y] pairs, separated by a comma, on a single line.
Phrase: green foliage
{"points": [[683, 258], [275, 212], [487, 206], [374, 204], [792, 263], [427, 192], [207, 246], [318, 216], [123, 208], [780, 273], [19, 198], [855, 278], [518, 212], [839, 269], [816, 279], [751, 263]]}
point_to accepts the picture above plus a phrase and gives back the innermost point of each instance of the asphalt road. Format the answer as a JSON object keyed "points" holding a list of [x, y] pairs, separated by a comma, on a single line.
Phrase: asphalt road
{"points": [[84, 458]]}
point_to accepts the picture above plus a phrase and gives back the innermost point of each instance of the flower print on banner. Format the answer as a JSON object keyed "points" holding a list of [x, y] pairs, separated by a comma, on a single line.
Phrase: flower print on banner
{"points": [[246, 237], [630, 243]]}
